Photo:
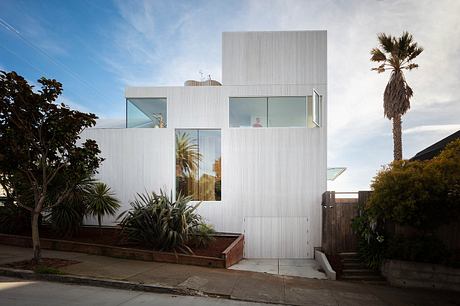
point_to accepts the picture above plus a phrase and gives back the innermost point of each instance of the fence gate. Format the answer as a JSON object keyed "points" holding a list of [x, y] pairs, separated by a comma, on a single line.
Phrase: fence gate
{"points": [[339, 208]]}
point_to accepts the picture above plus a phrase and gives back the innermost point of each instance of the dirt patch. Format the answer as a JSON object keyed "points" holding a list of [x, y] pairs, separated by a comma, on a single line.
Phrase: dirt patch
{"points": [[45, 262]]}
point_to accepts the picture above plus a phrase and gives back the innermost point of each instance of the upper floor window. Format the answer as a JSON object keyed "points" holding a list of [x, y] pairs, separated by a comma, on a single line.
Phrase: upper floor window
{"points": [[316, 108], [146, 113], [198, 164], [274, 112]]}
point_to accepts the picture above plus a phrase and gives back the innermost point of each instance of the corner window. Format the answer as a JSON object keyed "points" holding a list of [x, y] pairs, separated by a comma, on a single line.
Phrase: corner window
{"points": [[198, 164], [257, 112], [146, 113], [316, 108]]}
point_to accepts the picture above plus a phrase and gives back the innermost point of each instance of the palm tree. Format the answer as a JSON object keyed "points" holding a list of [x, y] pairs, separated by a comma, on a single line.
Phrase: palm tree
{"points": [[396, 54], [187, 154], [101, 201]]}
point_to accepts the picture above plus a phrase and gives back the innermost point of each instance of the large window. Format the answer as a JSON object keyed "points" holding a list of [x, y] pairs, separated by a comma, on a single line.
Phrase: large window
{"points": [[146, 113], [259, 112], [198, 164]]}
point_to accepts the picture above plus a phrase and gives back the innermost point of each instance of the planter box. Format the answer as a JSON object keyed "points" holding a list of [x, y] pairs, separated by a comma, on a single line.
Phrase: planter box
{"points": [[421, 275], [229, 256]]}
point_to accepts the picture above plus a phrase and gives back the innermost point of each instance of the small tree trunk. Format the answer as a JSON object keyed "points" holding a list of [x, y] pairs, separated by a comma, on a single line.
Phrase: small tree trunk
{"points": [[36, 237], [397, 137], [99, 221]]}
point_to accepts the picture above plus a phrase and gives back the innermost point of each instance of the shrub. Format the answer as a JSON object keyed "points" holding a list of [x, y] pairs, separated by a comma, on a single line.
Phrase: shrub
{"points": [[67, 217], [157, 222], [421, 195], [371, 240], [14, 219], [47, 270], [419, 248], [202, 235]]}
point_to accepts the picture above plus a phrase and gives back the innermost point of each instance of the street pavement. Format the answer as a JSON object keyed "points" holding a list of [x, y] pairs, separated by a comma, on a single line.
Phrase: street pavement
{"points": [[233, 284], [21, 292]]}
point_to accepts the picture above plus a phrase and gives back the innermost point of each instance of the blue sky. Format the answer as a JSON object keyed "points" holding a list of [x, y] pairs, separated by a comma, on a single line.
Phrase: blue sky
{"points": [[96, 48]]}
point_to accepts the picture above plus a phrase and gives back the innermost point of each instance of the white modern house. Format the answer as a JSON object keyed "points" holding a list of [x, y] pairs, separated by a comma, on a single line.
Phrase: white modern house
{"points": [[258, 142]]}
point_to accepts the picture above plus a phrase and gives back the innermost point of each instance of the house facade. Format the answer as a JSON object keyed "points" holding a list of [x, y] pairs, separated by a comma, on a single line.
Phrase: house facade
{"points": [[253, 149]]}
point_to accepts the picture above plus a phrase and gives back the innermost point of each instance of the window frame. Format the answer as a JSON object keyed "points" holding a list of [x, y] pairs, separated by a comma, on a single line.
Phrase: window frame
{"points": [[316, 106]]}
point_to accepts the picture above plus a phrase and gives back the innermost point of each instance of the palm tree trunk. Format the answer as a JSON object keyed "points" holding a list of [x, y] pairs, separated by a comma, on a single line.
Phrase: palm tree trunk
{"points": [[397, 137]]}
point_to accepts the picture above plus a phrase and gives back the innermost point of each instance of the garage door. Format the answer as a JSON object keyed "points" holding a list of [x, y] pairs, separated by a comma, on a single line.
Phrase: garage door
{"points": [[277, 237]]}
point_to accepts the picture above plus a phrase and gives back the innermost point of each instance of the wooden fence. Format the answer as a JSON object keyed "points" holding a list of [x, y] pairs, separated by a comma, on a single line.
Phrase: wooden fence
{"points": [[339, 208]]}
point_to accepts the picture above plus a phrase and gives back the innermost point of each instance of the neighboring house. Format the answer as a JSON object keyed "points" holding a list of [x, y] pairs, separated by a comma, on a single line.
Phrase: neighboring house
{"points": [[252, 149], [436, 148]]}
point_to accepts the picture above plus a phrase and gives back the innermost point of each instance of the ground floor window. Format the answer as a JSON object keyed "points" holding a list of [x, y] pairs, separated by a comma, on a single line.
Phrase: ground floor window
{"points": [[198, 164]]}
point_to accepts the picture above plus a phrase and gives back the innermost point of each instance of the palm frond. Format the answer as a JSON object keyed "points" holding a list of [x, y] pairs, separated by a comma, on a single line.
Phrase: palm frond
{"points": [[377, 55]]}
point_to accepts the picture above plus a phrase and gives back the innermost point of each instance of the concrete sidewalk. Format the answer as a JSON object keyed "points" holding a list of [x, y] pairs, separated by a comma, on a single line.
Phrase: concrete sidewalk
{"points": [[239, 285]]}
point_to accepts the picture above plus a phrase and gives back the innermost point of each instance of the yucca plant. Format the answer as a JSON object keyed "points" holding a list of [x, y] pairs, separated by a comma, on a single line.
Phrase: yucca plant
{"points": [[67, 217], [155, 221], [101, 201]]}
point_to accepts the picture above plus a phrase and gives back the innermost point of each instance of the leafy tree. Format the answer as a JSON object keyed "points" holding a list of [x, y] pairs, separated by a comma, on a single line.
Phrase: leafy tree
{"points": [[101, 201], [420, 194], [39, 141], [396, 54]]}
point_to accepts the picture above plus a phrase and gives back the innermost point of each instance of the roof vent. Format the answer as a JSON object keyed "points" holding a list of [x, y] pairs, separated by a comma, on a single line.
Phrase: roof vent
{"points": [[202, 83]]}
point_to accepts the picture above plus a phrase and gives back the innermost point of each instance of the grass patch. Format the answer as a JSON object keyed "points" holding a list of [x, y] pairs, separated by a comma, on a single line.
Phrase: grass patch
{"points": [[47, 270]]}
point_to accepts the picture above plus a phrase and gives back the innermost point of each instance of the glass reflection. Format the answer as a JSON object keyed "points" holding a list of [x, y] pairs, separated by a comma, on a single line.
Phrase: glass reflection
{"points": [[146, 113], [198, 164]]}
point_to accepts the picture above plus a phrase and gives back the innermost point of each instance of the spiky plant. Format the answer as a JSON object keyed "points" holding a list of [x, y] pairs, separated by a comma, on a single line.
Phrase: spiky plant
{"points": [[67, 217], [101, 201], [396, 54], [156, 221]]}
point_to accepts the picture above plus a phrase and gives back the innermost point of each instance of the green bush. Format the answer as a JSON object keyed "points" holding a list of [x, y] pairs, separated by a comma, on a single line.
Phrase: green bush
{"points": [[371, 240], [159, 223], [202, 235], [14, 219], [419, 248], [67, 217], [421, 195], [47, 270]]}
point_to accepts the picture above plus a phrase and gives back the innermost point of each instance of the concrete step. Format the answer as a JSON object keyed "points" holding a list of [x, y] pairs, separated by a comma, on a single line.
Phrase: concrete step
{"points": [[351, 260], [373, 278], [353, 265], [348, 254], [363, 272]]}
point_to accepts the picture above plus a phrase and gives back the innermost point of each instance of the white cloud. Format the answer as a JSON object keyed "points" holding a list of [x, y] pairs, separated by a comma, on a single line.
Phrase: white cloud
{"points": [[72, 104], [433, 128]]}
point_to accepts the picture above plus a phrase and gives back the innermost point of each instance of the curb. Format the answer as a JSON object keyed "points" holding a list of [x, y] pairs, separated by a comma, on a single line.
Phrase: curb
{"points": [[118, 284], [97, 282]]}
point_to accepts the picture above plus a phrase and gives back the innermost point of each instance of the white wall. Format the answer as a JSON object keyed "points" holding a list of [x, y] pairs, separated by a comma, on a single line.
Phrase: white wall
{"points": [[272, 178], [296, 57]]}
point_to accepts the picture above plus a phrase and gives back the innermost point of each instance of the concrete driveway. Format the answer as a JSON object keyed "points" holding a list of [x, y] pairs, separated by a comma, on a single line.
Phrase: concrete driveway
{"points": [[308, 268]]}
